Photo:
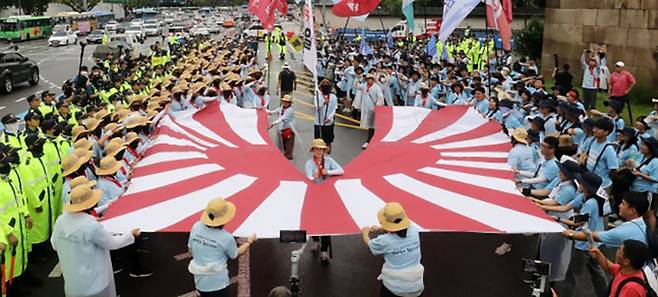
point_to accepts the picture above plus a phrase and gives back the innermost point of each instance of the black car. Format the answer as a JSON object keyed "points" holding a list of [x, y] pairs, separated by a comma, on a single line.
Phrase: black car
{"points": [[15, 69]]}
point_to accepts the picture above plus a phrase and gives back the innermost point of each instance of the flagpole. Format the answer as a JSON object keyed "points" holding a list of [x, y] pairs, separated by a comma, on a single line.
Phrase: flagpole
{"points": [[486, 28], [342, 36]]}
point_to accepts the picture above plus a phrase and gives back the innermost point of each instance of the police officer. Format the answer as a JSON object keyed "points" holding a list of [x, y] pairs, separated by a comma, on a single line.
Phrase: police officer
{"points": [[47, 103], [54, 156], [34, 103], [15, 221], [11, 135]]}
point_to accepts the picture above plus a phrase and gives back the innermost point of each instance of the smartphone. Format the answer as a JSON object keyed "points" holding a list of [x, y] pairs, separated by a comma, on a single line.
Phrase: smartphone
{"points": [[292, 236], [580, 218]]}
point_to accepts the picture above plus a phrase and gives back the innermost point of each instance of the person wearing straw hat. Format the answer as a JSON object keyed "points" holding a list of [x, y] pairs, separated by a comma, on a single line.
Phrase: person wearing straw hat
{"points": [[132, 141], [140, 126], [399, 242], [15, 222], [211, 246], [285, 124], [424, 98], [520, 157], [591, 205], [116, 148], [83, 246], [107, 182], [318, 169], [227, 96], [370, 97]]}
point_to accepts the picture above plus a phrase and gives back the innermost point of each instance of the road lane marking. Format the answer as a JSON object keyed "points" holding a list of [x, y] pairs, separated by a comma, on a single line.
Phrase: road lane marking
{"points": [[19, 99], [3, 107]]}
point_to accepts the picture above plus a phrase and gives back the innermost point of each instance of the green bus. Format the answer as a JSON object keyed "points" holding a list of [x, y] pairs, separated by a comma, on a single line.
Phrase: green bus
{"points": [[25, 27]]}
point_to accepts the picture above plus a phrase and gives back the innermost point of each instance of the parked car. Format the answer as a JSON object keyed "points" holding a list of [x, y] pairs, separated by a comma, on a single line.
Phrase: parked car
{"points": [[228, 23], [256, 31], [111, 25], [15, 69], [199, 30], [95, 36], [152, 29], [212, 27], [137, 22], [137, 31], [62, 38]]}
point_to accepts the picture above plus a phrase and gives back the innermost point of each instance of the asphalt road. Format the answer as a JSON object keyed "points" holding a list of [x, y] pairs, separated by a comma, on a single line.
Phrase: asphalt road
{"points": [[456, 264]]}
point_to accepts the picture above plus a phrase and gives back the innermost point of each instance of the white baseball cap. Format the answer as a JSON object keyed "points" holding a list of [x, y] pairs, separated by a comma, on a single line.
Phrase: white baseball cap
{"points": [[620, 64]]}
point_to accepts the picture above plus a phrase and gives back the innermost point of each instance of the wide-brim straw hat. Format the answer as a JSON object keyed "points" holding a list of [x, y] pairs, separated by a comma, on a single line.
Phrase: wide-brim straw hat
{"points": [[520, 134], [109, 165], [83, 155], [91, 124], [77, 130], [286, 98], [218, 212], [70, 164], [82, 198], [393, 218], [318, 143], [112, 148], [81, 181], [130, 137], [83, 143], [196, 87], [137, 121]]}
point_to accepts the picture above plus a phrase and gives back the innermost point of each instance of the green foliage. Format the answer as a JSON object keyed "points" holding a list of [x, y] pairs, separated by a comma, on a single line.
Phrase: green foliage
{"points": [[529, 40], [392, 7], [29, 7], [77, 5]]}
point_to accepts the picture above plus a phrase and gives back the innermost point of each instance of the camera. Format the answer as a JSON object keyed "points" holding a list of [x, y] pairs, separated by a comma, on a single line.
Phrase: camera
{"points": [[536, 267], [535, 274], [292, 236], [580, 218]]}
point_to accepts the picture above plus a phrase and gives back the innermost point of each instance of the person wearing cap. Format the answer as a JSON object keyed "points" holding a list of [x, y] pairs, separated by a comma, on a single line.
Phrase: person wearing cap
{"points": [[319, 168], [646, 169], [211, 246], [628, 146], [643, 128], [411, 87], [11, 135], [286, 82], [591, 205], [554, 248], [398, 241], [32, 124], [15, 222], [325, 110], [621, 83], [83, 246], [571, 125], [47, 103], [547, 113], [64, 113], [370, 97], [601, 156], [520, 157], [34, 103], [591, 73], [285, 124], [424, 98], [54, 156], [546, 170], [39, 194], [456, 95]]}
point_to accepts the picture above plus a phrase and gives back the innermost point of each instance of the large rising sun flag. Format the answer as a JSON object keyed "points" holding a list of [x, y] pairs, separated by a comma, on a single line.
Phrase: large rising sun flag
{"points": [[448, 168]]}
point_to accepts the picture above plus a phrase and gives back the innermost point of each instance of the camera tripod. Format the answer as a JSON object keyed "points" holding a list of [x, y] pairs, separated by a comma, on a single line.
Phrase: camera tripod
{"points": [[295, 255]]}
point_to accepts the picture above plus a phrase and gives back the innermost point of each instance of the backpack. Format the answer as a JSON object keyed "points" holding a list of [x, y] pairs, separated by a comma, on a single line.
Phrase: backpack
{"points": [[650, 291]]}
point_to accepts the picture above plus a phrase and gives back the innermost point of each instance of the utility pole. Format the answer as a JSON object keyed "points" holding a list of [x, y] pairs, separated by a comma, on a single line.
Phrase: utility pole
{"points": [[84, 5]]}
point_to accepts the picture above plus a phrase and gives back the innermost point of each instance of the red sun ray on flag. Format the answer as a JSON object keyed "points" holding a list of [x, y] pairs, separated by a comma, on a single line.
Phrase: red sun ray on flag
{"points": [[447, 167]]}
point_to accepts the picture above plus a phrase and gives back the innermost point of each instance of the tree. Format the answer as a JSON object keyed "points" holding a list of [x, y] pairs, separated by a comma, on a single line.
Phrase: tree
{"points": [[78, 5], [28, 7], [129, 5], [529, 40]]}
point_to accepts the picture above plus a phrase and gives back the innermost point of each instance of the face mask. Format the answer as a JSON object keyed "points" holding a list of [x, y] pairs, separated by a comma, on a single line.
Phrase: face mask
{"points": [[84, 73], [12, 128]]}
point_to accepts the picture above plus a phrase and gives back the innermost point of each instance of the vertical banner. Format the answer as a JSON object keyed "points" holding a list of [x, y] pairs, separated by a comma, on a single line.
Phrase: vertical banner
{"points": [[310, 48]]}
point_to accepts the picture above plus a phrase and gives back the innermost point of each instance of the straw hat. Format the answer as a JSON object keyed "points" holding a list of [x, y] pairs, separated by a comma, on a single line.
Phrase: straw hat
{"points": [[109, 166], [130, 137], [137, 99], [83, 143], [392, 217], [225, 87], [218, 212], [520, 134], [565, 141], [318, 143], [177, 89], [70, 164], [286, 98], [196, 87], [111, 126], [81, 181], [101, 114], [114, 147], [370, 76], [77, 130], [120, 115], [91, 124], [136, 121], [83, 155], [82, 198]]}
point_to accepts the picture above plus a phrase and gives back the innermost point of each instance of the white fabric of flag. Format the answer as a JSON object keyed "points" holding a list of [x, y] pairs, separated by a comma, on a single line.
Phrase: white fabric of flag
{"points": [[454, 12]]}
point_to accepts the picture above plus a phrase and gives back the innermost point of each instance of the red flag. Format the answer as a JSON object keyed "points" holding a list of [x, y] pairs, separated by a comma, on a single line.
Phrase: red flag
{"points": [[264, 11], [351, 8], [496, 19], [507, 8], [281, 6]]}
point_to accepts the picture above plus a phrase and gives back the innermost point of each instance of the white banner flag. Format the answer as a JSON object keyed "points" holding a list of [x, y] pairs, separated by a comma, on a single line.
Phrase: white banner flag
{"points": [[310, 49]]}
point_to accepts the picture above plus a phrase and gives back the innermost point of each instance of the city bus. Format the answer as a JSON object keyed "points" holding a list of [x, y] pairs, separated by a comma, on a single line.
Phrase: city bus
{"points": [[25, 27], [144, 13], [102, 17], [82, 23]]}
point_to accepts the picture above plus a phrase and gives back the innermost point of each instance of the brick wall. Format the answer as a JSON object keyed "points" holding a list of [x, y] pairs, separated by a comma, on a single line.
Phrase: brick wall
{"points": [[628, 29]]}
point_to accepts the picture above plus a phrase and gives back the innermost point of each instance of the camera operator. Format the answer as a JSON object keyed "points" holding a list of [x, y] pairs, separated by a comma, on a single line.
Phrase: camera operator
{"points": [[628, 278], [563, 78]]}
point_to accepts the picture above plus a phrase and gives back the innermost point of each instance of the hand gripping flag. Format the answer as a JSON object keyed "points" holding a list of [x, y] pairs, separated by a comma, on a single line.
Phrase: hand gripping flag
{"points": [[496, 19], [354, 8], [454, 12]]}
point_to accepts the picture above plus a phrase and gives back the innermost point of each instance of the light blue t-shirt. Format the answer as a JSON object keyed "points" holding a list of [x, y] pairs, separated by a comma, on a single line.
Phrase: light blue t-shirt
{"points": [[642, 185], [398, 252], [521, 158], [607, 162], [311, 168], [211, 245], [595, 222], [615, 237], [549, 170], [619, 124]]}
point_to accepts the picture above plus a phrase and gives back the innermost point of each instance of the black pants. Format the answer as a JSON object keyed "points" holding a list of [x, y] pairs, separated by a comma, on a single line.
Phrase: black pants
{"points": [[589, 95], [371, 133], [626, 100], [220, 293], [325, 242], [384, 292]]}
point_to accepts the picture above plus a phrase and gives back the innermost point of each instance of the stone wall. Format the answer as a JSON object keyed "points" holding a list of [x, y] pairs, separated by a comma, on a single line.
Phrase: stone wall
{"points": [[628, 29]]}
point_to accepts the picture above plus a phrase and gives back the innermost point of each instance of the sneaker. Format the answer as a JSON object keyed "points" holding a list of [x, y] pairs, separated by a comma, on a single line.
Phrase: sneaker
{"points": [[364, 146], [324, 257], [141, 273], [315, 247]]}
